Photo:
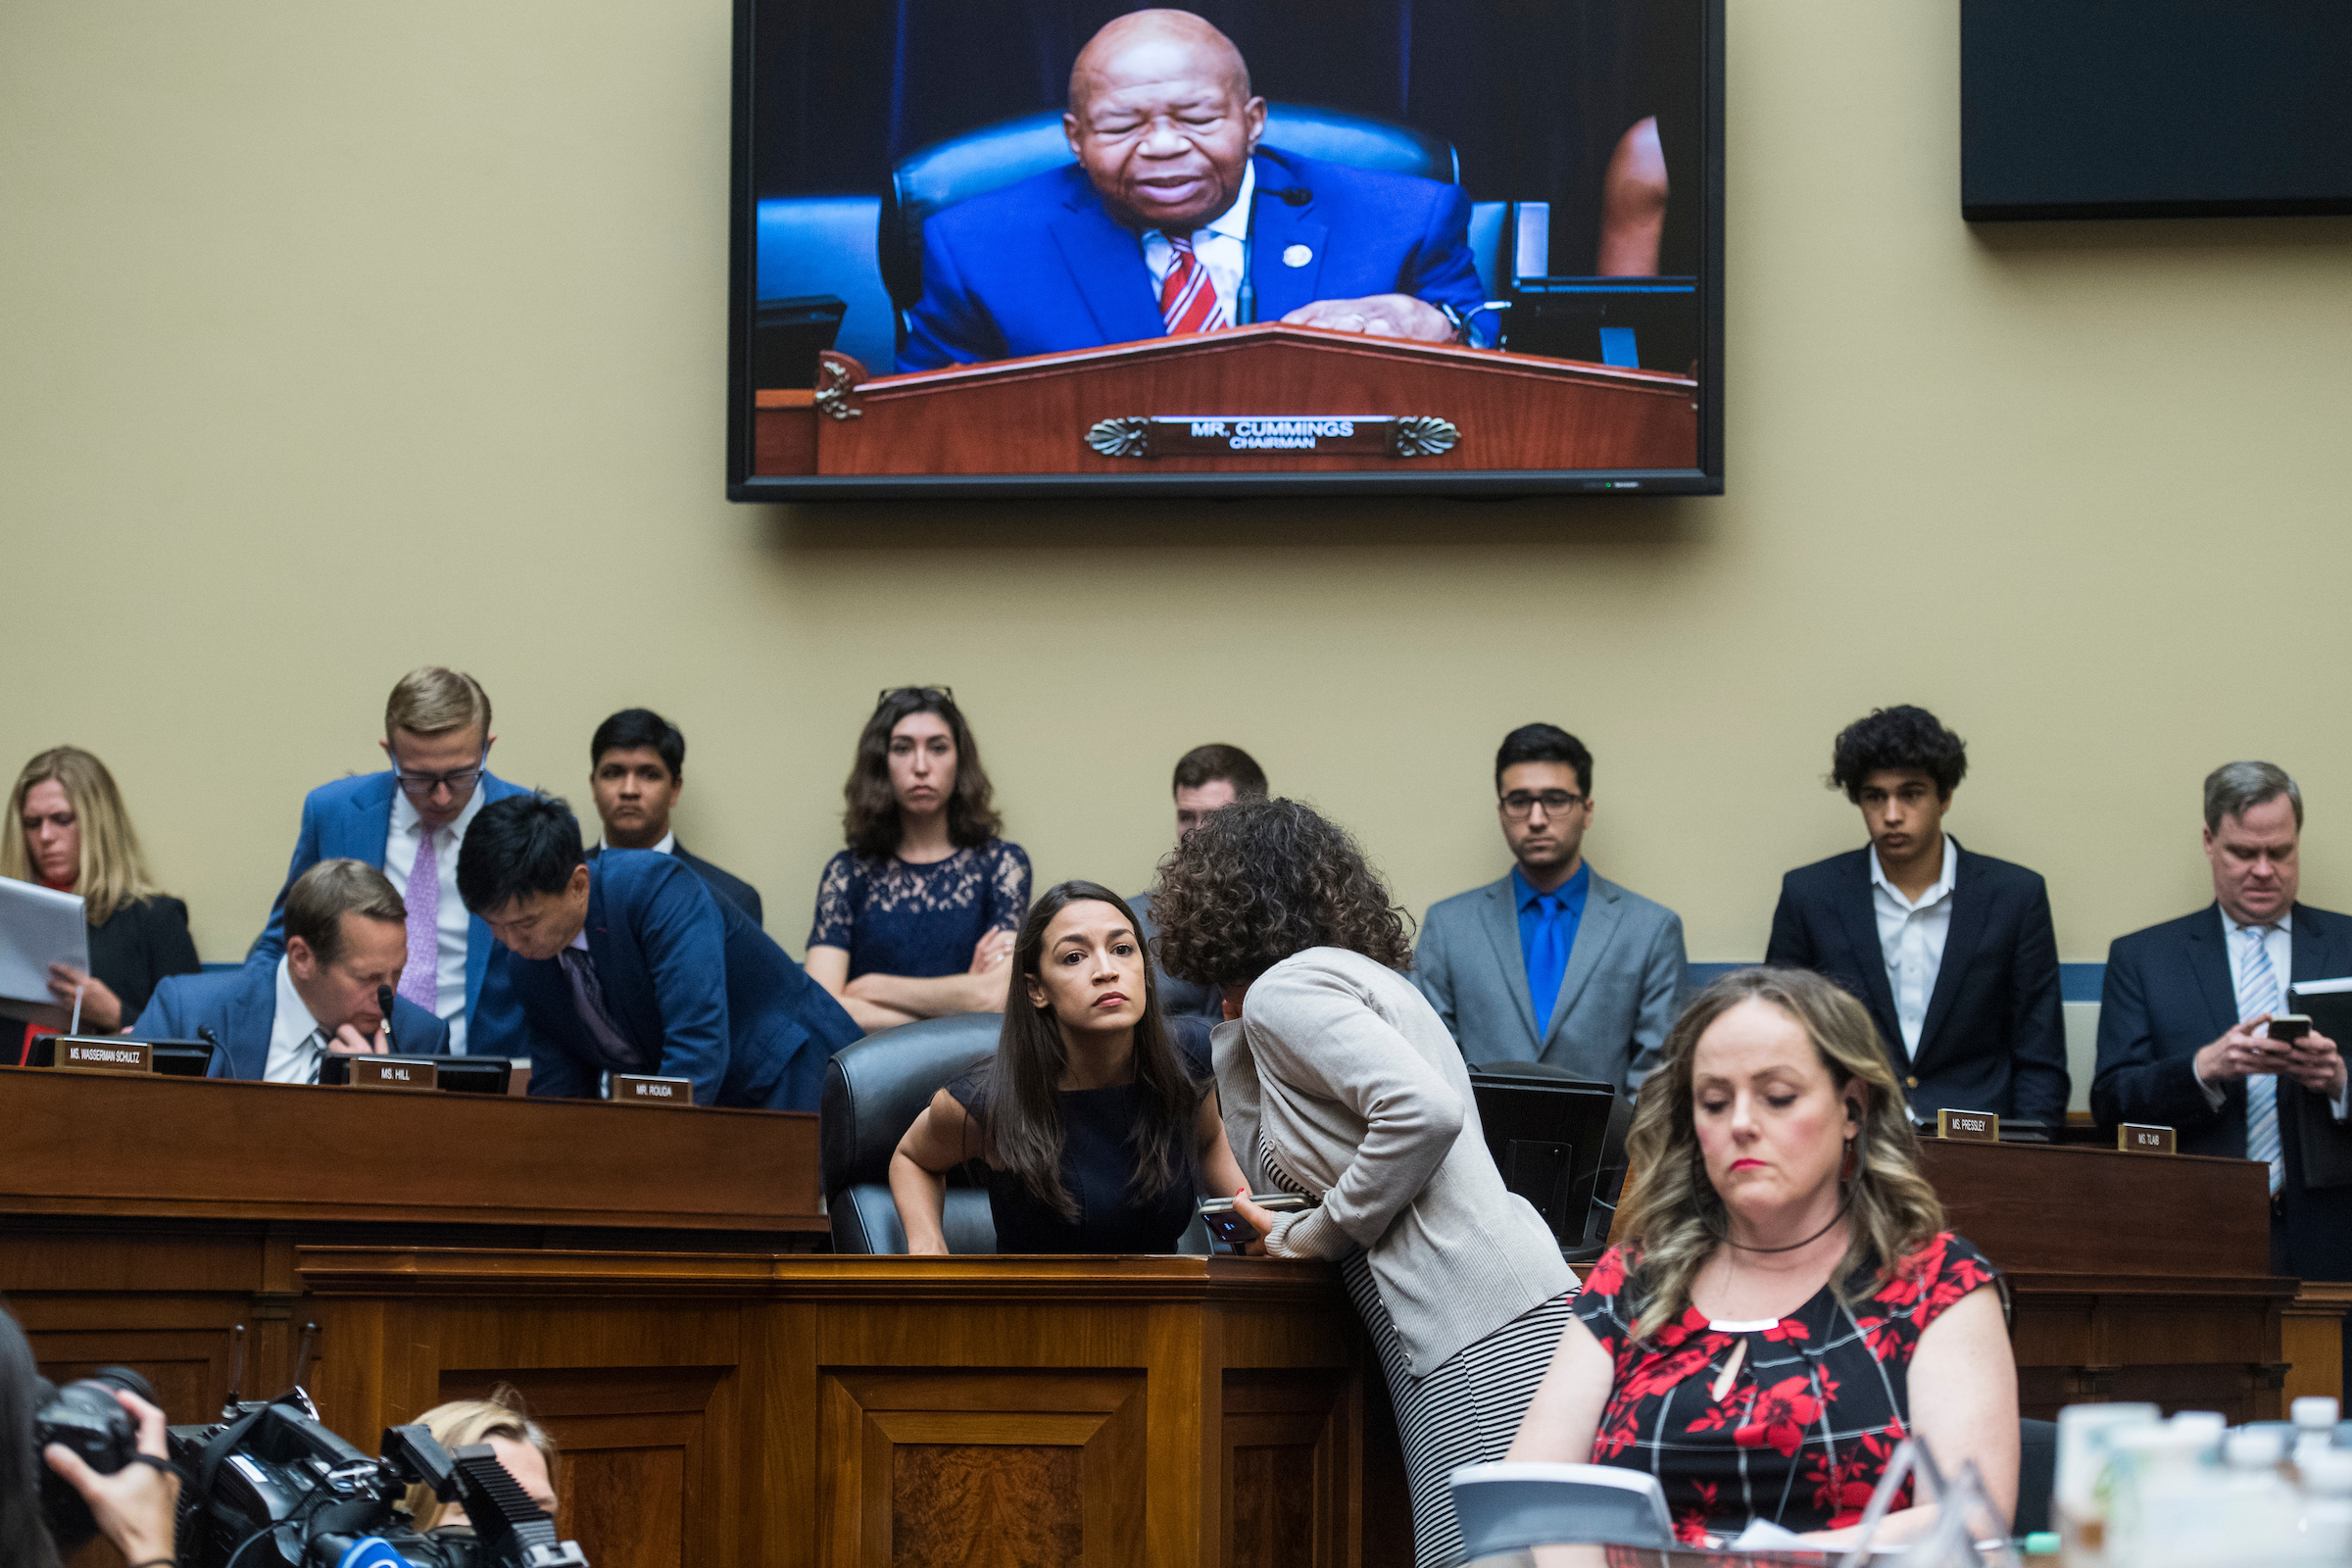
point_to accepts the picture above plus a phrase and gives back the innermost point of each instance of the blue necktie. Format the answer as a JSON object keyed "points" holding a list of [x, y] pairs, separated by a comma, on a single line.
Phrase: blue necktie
{"points": [[1547, 961], [2258, 994]]}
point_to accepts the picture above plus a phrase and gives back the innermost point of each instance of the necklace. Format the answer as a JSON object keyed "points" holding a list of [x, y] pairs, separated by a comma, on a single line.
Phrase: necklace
{"points": [[1727, 1240]]}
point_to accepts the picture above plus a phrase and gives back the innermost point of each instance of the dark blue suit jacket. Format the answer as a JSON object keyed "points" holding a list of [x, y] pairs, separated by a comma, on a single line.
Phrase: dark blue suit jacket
{"points": [[352, 820], [2166, 995], [725, 884], [1041, 267], [1995, 1037], [241, 1007], [693, 984]]}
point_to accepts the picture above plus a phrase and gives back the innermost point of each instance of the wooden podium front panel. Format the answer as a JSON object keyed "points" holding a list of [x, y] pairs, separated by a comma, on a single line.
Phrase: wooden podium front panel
{"points": [[1032, 416], [822, 1412]]}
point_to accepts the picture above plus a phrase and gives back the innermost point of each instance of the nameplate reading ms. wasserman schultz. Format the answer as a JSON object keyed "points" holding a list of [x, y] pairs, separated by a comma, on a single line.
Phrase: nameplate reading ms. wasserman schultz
{"points": [[1259, 435]]}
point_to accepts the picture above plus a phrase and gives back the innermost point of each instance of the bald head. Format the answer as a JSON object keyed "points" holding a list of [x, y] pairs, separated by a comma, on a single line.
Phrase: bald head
{"points": [[1163, 118]]}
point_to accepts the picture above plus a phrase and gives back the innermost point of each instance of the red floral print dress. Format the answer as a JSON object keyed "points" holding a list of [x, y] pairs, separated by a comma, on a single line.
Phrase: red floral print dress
{"points": [[1805, 1430]]}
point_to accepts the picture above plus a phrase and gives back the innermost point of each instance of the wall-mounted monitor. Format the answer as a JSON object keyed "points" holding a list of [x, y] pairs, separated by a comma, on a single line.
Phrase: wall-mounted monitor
{"points": [[1357, 246]]}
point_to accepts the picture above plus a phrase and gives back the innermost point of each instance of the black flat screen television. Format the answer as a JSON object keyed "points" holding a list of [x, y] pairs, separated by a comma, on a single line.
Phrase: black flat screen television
{"points": [[1352, 246]]}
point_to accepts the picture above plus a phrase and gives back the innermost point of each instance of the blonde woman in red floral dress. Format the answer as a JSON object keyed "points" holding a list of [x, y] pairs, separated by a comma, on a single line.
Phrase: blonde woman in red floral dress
{"points": [[1788, 1306]]}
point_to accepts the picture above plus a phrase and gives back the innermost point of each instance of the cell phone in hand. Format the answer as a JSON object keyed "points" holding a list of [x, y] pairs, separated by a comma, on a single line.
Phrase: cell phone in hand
{"points": [[2288, 1026], [1228, 1225]]}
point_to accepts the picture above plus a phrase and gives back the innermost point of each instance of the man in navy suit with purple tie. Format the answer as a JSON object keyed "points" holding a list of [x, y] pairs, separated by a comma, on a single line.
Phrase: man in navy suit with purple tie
{"points": [[1174, 220]]}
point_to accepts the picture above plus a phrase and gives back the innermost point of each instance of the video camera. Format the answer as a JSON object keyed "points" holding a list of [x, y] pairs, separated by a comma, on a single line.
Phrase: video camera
{"points": [[271, 1487]]}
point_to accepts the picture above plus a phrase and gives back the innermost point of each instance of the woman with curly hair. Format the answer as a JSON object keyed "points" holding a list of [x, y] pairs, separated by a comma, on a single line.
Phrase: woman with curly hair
{"points": [[1340, 1082], [1789, 1306]]}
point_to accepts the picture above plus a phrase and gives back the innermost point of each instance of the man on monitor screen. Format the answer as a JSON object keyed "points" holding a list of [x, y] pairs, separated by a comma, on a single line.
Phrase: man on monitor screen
{"points": [[1175, 220]]}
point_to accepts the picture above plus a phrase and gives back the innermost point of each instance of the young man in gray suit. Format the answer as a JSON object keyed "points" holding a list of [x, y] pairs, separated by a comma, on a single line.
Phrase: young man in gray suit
{"points": [[1553, 963]]}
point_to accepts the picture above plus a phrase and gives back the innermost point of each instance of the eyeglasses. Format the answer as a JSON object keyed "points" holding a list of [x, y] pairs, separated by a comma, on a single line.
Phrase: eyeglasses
{"points": [[1521, 802], [941, 692], [458, 780]]}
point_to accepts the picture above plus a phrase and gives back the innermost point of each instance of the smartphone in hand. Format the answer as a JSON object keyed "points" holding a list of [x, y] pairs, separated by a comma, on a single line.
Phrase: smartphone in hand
{"points": [[1227, 1225], [2288, 1026]]}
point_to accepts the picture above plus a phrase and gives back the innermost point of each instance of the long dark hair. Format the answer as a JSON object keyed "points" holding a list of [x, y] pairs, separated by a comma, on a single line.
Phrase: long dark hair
{"points": [[1024, 1106], [871, 821], [1259, 880], [23, 1539]]}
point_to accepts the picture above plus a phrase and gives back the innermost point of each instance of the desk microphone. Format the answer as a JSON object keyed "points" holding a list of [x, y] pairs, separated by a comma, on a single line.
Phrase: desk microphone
{"points": [[1245, 298], [203, 1032], [384, 1000]]}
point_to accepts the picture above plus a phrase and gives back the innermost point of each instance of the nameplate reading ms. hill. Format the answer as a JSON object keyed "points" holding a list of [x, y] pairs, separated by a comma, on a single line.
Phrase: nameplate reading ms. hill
{"points": [[391, 1072], [628, 1089], [1969, 1126], [1263, 435], [2134, 1139], [91, 1056]]}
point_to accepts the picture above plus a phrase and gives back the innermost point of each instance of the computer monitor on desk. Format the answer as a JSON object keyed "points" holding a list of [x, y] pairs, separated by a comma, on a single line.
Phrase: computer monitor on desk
{"points": [[1548, 1136]]}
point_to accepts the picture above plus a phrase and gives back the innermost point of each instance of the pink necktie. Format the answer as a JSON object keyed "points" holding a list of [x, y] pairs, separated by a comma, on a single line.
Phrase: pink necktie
{"points": [[1188, 299], [421, 979]]}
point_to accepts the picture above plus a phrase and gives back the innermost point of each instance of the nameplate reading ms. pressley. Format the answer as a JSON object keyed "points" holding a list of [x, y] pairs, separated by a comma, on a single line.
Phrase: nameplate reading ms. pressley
{"points": [[391, 1072], [1969, 1126], [1264, 435], [630, 1089], [132, 1056]]}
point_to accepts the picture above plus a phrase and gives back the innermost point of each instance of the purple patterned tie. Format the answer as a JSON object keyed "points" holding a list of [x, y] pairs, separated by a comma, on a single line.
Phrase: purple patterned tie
{"points": [[421, 980]]}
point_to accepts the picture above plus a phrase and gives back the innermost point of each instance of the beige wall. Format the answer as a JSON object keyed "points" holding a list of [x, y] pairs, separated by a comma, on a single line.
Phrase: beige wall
{"points": [[338, 339]]}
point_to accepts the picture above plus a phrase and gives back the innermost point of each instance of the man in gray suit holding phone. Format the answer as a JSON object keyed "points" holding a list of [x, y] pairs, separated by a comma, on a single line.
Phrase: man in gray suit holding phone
{"points": [[1553, 963]]}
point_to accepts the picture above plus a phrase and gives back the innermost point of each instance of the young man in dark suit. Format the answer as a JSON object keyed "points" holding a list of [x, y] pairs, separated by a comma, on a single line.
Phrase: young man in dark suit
{"points": [[636, 770], [1207, 778], [409, 820], [346, 932], [1953, 951], [2182, 1042], [634, 965]]}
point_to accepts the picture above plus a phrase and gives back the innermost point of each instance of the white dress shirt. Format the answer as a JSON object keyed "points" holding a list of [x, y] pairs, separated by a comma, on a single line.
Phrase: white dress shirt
{"points": [[1911, 939], [2279, 942], [400, 858], [1219, 247], [667, 846], [295, 1041]]}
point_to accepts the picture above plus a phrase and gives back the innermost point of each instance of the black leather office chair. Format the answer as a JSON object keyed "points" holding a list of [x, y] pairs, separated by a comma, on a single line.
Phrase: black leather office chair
{"points": [[2037, 1475], [873, 1092], [938, 177]]}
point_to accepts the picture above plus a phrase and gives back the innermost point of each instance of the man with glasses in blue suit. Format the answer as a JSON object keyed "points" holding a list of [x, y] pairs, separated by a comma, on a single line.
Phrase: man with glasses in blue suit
{"points": [[1175, 220], [411, 821]]}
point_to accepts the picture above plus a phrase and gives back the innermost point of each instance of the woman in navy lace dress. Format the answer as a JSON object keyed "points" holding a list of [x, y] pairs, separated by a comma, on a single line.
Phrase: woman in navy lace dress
{"points": [[1789, 1306], [916, 918]]}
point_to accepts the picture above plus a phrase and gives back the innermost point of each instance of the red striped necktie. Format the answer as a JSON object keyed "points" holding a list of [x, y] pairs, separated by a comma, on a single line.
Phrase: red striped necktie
{"points": [[1188, 299]]}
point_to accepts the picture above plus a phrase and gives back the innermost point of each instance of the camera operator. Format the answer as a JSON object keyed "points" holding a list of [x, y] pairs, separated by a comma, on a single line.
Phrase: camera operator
{"points": [[520, 1443], [134, 1507]]}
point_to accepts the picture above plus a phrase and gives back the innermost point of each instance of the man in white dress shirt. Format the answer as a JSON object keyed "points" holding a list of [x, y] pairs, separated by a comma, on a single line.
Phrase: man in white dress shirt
{"points": [[411, 820], [347, 940], [1953, 951]]}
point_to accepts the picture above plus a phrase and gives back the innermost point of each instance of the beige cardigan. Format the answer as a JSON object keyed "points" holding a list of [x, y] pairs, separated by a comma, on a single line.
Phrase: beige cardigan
{"points": [[1341, 1068]]}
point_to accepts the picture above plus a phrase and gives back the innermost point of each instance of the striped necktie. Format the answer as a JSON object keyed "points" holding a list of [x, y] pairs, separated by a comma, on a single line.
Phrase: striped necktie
{"points": [[2258, 994], [1188, 299]]}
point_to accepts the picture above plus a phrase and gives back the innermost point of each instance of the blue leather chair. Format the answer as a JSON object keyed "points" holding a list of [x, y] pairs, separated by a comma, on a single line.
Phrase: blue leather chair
{"points": [[814, 245], [938, 177]]}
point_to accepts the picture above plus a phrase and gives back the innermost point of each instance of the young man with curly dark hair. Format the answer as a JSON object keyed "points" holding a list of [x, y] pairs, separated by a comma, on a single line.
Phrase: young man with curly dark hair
{"points": [[1953, 951]]}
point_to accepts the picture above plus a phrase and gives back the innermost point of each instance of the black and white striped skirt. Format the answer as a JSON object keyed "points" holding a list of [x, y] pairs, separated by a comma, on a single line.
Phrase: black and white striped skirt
{"points": [[1465, 1410]]}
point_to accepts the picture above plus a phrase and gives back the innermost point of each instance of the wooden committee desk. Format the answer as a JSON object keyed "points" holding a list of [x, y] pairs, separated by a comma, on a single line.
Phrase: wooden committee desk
{"points": [[727, 1399]]}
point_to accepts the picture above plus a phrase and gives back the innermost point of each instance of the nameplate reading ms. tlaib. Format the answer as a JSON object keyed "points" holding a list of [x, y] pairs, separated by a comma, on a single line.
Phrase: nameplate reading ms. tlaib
{"points": [[92, 1055], [1969, 1126], [628, 1089], [1259, 435], [2134, 1139], [390, 1072]]}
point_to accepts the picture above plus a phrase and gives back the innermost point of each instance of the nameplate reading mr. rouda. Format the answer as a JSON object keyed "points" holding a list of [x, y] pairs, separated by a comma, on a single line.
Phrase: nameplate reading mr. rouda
{"points": [[2134, 1139], [391, 1072], [95, 1055], [629, 1089], [1254, 435], [1969, 1126]]}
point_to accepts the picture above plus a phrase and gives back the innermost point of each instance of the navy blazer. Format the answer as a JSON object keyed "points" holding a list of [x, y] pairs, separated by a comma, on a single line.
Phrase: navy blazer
{"points": [[702, 992], [727, 885], [1995, 1037], [352, 820], [1041, 267], [240, 1006]]}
